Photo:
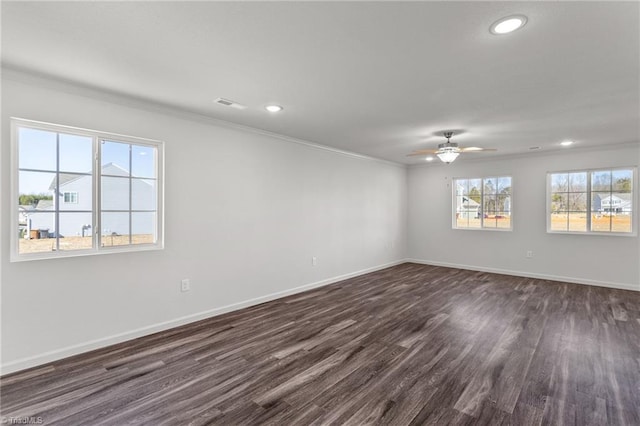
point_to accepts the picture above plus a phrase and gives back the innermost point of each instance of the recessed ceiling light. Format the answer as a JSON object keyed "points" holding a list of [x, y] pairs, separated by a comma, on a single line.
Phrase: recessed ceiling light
{"points": [[273, 108], [566, 143], [508, 24], [429, 158]]}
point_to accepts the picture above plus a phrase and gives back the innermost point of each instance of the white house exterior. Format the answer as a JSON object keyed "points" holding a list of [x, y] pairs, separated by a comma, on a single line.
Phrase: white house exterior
{"points": [[465, 206], [75, 201], [613, 204]]}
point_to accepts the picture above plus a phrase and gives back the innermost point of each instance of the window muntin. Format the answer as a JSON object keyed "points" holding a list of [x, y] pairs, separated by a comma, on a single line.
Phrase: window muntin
{"points": [[591, 201], [482, 203], [66, 204]]}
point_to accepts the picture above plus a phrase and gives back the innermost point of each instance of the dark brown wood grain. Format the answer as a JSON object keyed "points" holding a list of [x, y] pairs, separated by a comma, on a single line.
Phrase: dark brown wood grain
{"points": [[407, 345]]}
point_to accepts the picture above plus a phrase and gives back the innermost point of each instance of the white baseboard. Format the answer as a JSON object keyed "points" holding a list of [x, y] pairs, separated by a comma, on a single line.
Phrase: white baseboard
{"points": [[55, 355], [574, 280]]}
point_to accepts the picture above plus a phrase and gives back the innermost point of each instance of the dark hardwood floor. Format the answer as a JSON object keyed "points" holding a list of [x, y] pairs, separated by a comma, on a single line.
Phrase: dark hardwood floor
{"points": [[408, 345]]}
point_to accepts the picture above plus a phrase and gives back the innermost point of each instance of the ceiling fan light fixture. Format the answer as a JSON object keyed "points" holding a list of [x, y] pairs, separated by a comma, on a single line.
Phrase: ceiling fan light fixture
{"points": [[448, 155]]}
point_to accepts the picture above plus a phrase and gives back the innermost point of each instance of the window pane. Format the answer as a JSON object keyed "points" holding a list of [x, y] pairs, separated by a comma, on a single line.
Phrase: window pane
{"points": [[601, 202], [464, 184], [503, 203], [504, 185], [115, 229], [503, 220], [578, 221], [143, 228], [489, 204], [143, 194], [620, 202], [143, 161], [490, 220], [578, 182], [623, 180], [36, 149], [115, 158], [559, 182], [490, 186], [115, 193], [473, 222], [76, 231], [601, 180], [466, 208], [36, 189], [577, 201], [76, 153], [621, 223], [462, 221], [621, 211], [559, 221], [75, 192], [35, 233], [600, 223], [559, 202]]}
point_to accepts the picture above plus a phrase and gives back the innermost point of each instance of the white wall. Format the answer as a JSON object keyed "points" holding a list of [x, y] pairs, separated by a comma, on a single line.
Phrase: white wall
{"points": [[244, 214], [270, 205], [599, 260]]}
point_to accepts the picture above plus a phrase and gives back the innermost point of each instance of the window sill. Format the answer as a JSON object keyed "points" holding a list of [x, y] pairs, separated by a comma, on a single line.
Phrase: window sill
{"points": [[596, 234], [83, 253], [483, 229]]}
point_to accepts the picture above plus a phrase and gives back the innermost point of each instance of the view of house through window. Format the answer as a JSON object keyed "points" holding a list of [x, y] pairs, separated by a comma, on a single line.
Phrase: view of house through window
{"points": [[482, 203], [128, 201], [60, 187], [591, 201]]}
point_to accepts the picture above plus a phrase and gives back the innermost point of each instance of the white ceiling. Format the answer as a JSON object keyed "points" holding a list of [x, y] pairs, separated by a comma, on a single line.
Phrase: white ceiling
{"points": [[376, 78]]}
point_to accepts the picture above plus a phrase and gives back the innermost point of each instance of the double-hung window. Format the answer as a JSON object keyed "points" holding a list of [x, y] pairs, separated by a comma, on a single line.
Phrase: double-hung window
{"points": [[81, 192], [598, 201], [482, 203], [70, 197]]}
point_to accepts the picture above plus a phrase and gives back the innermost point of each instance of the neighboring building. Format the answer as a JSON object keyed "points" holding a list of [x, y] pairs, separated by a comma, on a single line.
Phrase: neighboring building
{"points": [[75, 199], [612, 204], [23, 214], [466, 207]]}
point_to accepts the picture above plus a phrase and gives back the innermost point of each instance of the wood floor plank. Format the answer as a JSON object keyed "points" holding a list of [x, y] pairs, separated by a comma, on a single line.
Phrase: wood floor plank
{"points": [[407, 345]]}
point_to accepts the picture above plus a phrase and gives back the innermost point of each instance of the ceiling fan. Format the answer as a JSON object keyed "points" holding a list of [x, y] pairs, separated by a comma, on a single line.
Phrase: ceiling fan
{"points": [[449, 151]]}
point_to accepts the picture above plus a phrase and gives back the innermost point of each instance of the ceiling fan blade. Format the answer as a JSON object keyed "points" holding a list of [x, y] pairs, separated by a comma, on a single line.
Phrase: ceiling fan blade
{"points": [[476, 149], [423, 152]]}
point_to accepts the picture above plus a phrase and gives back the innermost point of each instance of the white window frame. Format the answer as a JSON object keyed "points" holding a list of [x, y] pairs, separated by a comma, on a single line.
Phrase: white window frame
{"points": [[97, 138], [73, 195], [454, 223], [634, 202]]}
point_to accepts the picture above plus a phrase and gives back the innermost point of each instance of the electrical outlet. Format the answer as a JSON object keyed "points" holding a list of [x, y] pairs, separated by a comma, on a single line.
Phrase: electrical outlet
{"points": [[314, 261], [529, 254], [185, 285]]}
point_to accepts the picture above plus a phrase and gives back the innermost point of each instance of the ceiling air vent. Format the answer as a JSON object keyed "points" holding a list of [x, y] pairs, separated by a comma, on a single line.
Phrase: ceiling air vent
{"points": [[229, 103]]}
